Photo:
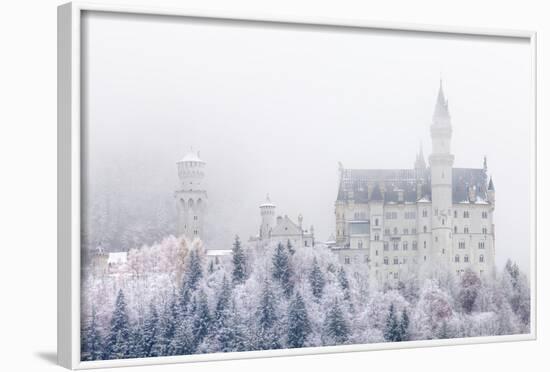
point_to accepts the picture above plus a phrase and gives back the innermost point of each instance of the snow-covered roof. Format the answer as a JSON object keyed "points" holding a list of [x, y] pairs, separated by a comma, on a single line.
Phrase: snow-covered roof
{"points": [[423, 200], [267, 202], [117, 258], [191, 157], [218, 252]]}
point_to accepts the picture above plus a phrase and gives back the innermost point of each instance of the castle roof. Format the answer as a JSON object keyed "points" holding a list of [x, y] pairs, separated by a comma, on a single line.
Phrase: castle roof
{"points": [[387, 184], [191, 157]]}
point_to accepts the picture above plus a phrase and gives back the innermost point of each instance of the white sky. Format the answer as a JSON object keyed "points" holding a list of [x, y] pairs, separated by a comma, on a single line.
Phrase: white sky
{"points": [[273, 109]]}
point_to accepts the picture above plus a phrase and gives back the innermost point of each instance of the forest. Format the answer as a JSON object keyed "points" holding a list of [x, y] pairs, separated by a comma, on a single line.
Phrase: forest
{"points": [[171, 298]]}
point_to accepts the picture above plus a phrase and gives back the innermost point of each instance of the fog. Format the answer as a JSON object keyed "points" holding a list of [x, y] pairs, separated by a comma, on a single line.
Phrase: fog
{"points": [[273, 108]]}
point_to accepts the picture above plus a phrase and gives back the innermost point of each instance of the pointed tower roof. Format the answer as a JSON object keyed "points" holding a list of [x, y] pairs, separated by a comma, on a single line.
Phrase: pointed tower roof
{"points": [[441, 114], [192, 156], [420, 163], [491, 185], [376, 194], [267, 202]]}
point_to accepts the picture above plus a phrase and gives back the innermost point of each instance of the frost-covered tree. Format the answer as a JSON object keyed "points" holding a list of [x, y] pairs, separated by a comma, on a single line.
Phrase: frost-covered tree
{"points": [[202, 319], [167, 325], [432, 312], [282, 270], [404, 326], [392, 330], [267, 335], [336, 328], [470, 286], [344, 283], [193, 271], [239, 262], [150, 330], [298, 322], [92, 342], [224, 300], [118, 339], [316, 280]]}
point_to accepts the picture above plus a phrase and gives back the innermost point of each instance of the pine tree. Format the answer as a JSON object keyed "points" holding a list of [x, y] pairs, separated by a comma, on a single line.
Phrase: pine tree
{"points": [[118, 340], [336, 328], [282, 271], [469, 289], [201, 321], [239, 262], [92, 342], [191, 278], [137, 347], [392, 331], [183, 342], [224, 298], [344, 282], [316, 280], [298, 322], [404, 326], [150, 330], [267, 336], [166, 330]]}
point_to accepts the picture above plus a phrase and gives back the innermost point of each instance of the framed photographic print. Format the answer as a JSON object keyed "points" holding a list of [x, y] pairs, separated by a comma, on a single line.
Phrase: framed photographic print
{"points": [[238, 186]]}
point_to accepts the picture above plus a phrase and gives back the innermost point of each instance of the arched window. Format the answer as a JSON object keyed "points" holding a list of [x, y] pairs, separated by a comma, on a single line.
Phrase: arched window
{"points": [[456, 230], [376, 222], [466, 230], [424, 244], [425, 229], [443, 221], [466, 258], [481, 258], [457, 258]]}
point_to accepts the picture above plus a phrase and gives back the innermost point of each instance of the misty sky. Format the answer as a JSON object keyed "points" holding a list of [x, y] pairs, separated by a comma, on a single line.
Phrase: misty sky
{"points": [[273, 109]]}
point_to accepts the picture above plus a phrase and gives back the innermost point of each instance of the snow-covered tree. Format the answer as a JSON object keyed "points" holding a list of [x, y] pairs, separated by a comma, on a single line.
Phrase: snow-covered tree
{"points": [[202, 319], [392, 330], [118, 339], [298, 322], [92, 341], [470, 286], [150, 330], [239, 262], [282, 270], [267, 335], [336, 328], [316, 280]]}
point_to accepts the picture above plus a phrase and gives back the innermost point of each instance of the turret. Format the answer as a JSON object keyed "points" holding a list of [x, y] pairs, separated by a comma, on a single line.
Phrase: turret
{"points": [[267, 211], [441, 166], [191, 196]]}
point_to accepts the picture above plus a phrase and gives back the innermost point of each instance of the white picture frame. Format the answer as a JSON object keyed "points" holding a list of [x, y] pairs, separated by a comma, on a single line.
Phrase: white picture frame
{"points": [[69, 181]]}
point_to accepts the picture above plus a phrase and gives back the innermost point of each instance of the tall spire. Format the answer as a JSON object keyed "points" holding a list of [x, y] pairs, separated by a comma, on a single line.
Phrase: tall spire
{"points": [[420, 163], [441, 114]]}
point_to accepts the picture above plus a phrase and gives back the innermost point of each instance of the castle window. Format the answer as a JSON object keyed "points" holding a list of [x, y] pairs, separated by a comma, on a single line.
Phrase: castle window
{"points": [[456, 229], [404, 261], [338, 233], [424, 244], [481, 258], [466, 258], [461, 245], [396, 261], [376, 237], [360, 244], [395, 275], [305, 243], [386, 260], [481, 245], [443, 251], [457, 258], [484, 214], [413, 230], [196, 232], [406, 231], [436, 239], [195, 218], [443, 221], [424, 213], [424, 258], [386, 231], [425, 229], [386, 246], [366, 259], [436, 212], [466, 214], [395, 246], [484, 230], [405, 246], [376, 252], [346, 260], [415, 245], [455, 214], [376, 222], [466, 230], [395, 230]]}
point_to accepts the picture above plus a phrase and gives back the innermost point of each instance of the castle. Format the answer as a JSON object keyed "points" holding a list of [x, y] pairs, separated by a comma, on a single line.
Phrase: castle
{"points": [[282, 229], [396, 220]]}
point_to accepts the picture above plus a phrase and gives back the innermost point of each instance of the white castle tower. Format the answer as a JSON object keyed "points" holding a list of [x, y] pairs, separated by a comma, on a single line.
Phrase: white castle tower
{"points": [[191, 196], [441, 164], [267, 210]]}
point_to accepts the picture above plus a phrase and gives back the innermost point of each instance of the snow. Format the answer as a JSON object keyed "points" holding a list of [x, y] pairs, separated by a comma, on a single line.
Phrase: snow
{"points": [[191, 157], [117, 258]]}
